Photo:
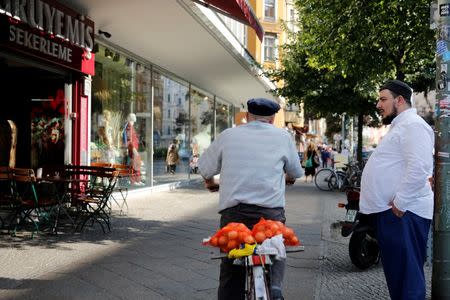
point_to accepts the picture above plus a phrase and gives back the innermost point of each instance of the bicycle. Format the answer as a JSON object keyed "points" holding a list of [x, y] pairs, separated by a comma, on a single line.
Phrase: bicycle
{"points": [[258, 272], [328, 179], [257, 267]]}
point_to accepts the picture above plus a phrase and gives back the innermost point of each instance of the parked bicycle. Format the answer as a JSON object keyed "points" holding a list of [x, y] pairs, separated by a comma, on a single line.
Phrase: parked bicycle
{"points": [[330, 179]]}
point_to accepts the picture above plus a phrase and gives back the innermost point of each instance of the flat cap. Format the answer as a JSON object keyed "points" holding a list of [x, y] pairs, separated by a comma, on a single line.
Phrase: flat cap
{"points": [[262, 107], [398, 87]]}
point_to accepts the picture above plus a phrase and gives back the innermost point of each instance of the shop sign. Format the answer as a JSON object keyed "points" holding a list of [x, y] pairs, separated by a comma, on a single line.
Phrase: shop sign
{"points": [[48, 30]]}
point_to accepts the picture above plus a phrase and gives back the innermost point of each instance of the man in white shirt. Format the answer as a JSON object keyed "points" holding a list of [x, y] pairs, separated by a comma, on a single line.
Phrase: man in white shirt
{"points": [[255, 161], [397, 194]]}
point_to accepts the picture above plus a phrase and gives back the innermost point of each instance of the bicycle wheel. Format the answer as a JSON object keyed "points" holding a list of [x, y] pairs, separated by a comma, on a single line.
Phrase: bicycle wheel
{"points": [[322, 179], [257, 283], [249, 284], [342, 184], [333, 182]]}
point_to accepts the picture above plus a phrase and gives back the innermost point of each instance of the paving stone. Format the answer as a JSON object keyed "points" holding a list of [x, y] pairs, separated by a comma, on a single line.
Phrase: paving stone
{"points": [[155, 252]]}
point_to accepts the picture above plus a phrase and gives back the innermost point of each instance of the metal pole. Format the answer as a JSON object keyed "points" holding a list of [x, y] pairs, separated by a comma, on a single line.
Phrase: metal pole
{"points": [[152, 124], [214, 123], [342, 133], [189, 139], [441, 233]]}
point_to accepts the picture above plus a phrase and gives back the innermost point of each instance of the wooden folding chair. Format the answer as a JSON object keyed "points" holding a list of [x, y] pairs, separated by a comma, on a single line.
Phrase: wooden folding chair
{"points": [[6, 194], [123, 181], [94, 203], [28, 206]]}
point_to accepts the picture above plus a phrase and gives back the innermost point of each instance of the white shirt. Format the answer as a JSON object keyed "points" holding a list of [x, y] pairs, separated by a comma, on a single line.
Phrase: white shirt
{"points": [[399, 168], [252, 160]]}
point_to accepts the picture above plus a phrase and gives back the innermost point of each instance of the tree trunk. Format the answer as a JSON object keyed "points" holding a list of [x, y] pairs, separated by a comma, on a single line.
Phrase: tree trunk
{"points": [[360, 137]]}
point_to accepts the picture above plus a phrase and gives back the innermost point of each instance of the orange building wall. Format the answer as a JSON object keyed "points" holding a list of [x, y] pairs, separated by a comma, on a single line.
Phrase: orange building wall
{"points": [[254, 45]]}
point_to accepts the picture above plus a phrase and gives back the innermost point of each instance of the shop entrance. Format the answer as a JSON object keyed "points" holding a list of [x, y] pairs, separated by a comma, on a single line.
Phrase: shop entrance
{"points": [[33, 98]]}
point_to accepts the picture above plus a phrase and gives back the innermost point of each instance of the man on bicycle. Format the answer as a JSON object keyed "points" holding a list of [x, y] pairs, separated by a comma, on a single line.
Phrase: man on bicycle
{"points": [[255, 162]]}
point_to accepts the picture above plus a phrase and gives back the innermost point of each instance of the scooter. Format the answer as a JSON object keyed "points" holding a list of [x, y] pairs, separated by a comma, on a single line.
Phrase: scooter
{"points": [[363, 246]]}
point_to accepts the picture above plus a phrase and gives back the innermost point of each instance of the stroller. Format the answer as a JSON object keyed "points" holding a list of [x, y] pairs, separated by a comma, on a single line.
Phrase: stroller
{"points": [[193, 164]]}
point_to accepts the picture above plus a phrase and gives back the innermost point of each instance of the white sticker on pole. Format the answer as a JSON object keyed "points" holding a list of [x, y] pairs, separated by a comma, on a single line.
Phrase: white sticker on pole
{"points": [[443, 154]]}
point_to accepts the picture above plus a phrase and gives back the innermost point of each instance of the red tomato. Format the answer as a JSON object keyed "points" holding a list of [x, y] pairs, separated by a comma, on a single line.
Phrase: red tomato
{"points": [[288, 233], [232, 235], [260, 237], [268, 233], [249, 239], [213, 241], [274, 227], [222, 241], [294, 241], [280, 224], [242, 227], [232, 244]]}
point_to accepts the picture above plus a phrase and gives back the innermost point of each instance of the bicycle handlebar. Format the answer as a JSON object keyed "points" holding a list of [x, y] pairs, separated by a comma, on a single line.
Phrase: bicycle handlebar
{"points": [[291, 249]]}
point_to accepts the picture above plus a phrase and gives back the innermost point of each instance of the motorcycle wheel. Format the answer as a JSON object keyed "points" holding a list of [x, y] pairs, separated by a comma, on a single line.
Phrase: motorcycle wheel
{"points": [[363, 251]]}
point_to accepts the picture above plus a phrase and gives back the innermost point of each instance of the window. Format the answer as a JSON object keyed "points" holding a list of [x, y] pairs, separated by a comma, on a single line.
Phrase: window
{"points": [[168, 113], [179, 101], [168, 98], [270, 46], [269, 9]]}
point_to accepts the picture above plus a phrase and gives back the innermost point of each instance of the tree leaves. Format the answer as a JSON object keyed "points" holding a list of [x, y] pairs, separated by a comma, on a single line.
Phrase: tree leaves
{"points": [[346, 48]]}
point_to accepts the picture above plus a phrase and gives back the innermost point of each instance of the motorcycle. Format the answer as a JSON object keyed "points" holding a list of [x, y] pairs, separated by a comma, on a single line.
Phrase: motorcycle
{"points": [[363, 246]]}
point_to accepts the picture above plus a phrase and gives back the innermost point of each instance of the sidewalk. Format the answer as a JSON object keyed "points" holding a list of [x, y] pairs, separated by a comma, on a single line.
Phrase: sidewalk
{"points": [[154, 252]]}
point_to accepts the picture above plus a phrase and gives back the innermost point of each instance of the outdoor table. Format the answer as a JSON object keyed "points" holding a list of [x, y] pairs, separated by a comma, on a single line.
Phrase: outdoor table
{"points": [[59, 186]]}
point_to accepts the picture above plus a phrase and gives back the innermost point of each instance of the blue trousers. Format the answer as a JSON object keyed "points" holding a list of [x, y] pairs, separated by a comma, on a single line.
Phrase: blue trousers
{"points": [[403, 243]]}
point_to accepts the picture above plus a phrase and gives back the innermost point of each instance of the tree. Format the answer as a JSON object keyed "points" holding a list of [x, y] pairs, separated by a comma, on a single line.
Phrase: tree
{"points": [[325, 93], [369, 39], [345, 49]]}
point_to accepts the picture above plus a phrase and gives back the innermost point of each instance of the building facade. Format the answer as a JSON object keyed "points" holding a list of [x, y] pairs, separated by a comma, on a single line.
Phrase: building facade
{"points": [[148, 75], [277, 17]]}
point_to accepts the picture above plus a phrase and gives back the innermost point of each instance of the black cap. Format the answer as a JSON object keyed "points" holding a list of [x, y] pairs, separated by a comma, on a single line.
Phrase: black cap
{"points": [[262, 107], [398, 87]]}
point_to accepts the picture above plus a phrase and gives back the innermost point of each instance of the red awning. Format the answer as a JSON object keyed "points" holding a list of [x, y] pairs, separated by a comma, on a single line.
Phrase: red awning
{"points": [[239, 10]]}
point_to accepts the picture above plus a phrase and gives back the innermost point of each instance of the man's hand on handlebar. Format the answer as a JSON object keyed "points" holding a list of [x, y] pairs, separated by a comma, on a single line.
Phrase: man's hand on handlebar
{"points": [[211, 185], [289, 180]]}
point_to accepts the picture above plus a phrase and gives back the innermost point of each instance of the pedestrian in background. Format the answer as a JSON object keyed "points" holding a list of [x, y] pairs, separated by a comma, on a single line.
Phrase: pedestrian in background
{"points": [[397, 194], [172, 159], [325, 153], [255, 162], [311, 160]]}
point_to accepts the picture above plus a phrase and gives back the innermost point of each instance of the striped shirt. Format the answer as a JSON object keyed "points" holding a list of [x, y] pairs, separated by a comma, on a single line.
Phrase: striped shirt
{"points": [[252, 160]]}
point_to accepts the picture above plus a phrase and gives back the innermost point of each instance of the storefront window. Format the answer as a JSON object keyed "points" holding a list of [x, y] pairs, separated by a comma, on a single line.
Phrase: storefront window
{"points": [[121, 112], [223, 116], [122, 118], [170, 130], [202, 123], [143, 111]]}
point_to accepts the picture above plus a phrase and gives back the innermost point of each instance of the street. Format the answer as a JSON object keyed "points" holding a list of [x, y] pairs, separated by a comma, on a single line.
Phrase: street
{"points": [[155, 252]]}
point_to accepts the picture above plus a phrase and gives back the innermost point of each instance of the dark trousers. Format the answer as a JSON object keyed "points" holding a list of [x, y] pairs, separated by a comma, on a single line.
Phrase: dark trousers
{"points": [[403, 243], [232, 278], [172, 168]]}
